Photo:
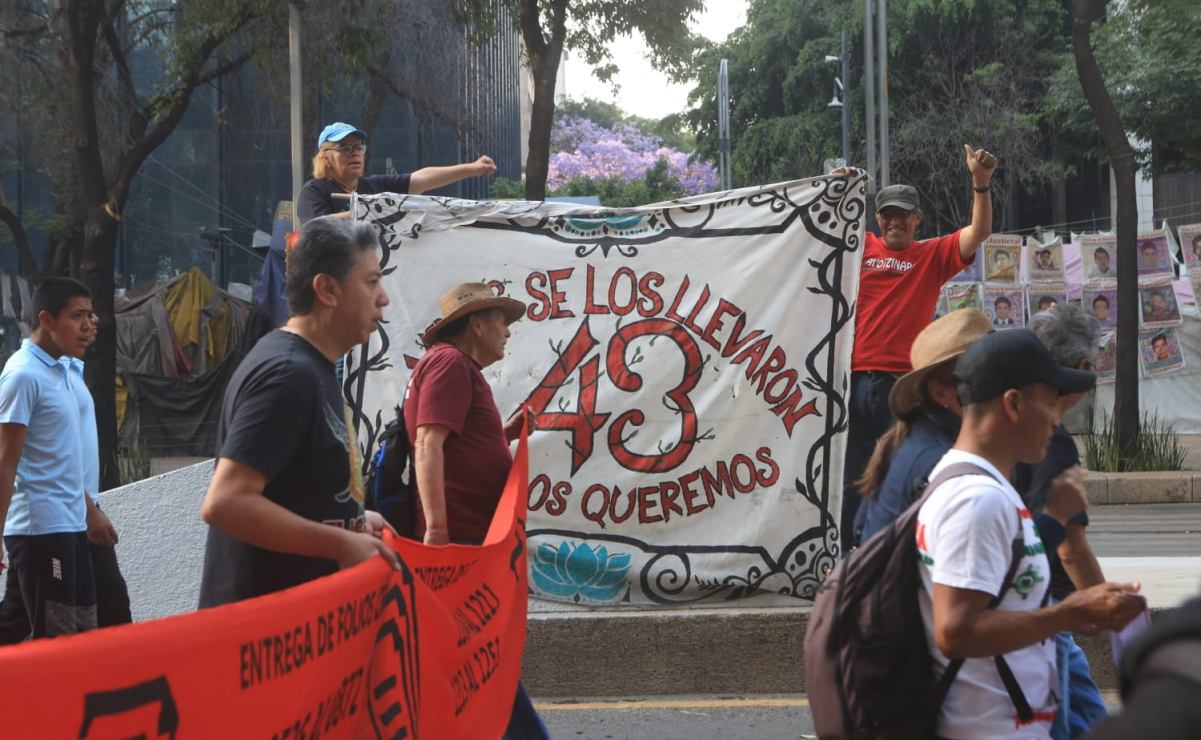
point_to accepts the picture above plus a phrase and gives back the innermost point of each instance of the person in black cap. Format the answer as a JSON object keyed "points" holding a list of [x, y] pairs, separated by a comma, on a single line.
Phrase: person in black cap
{"points": [[977, 603], [899, 282], [339, 164]]}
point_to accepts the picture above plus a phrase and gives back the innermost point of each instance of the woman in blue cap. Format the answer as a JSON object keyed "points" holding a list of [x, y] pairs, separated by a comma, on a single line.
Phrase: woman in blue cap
{"points": [[338, 168]]}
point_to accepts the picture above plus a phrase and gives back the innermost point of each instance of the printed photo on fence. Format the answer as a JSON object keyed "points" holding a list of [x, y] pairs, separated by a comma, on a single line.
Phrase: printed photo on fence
{"points": [[1158, 304], [1189, 237], [1100, 255], [1105, 364], [1044, 297], [1154, 255], [1045, 261], [1005, 306], [688, 445], [1002, 256], [1102, 303], [961, 295], [1160, 352]]}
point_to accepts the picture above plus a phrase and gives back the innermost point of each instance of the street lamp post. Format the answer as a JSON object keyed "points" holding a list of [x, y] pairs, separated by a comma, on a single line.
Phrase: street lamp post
{"points": [[723, 124], [842, 85], [295, 93]]}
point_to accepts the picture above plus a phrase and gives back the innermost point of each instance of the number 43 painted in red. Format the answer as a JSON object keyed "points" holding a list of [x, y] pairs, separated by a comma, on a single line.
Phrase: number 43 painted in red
{"points": [[585, 421]]}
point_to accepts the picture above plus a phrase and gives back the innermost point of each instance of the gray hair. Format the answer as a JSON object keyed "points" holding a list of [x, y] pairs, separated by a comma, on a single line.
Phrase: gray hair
{"points": [[1068, 331], [329, 245]]}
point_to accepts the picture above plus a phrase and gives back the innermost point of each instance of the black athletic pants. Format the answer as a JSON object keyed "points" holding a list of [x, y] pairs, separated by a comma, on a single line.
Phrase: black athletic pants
{"points": [[52, 586]]}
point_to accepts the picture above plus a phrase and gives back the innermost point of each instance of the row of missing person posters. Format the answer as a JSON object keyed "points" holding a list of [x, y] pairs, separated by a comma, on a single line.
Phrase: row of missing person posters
{"points": [[1020, 280]]}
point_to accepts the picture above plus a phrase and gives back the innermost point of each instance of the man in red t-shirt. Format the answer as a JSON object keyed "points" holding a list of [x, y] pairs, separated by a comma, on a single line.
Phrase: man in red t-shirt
{"points": [[460, 446], [899, 282]]}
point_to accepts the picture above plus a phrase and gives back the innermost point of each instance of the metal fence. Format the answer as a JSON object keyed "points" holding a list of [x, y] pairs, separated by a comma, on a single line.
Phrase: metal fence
{"points": [[202, 195]]}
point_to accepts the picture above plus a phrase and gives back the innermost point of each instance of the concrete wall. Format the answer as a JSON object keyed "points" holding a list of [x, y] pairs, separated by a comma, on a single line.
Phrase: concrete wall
{"points": [[161, 548], [162, 539]]}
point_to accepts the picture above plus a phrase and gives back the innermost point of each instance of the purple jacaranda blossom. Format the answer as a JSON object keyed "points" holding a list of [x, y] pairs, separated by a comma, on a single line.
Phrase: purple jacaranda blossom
{"points": [[584, 149]]}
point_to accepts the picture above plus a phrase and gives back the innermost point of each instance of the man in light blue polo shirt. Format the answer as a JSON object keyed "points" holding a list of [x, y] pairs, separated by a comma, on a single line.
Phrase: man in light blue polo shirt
{"points": [[112, 594], [42, 471]]}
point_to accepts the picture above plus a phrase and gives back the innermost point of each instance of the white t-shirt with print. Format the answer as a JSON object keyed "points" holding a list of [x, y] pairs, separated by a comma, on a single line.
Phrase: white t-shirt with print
{"points": [[965, 533]]}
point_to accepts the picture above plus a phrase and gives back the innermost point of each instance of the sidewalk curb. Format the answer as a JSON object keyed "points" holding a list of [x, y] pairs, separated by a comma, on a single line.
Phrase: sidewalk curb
{"points": [[1170, 487], [714, 651]]}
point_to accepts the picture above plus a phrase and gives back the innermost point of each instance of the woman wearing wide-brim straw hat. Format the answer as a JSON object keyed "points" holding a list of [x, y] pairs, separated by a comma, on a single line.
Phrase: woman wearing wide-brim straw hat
{"points": [[927, 413]]}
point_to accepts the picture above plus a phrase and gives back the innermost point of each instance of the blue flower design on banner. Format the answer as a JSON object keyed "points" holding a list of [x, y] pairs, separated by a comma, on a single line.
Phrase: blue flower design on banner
{"points": [[578, 571]]}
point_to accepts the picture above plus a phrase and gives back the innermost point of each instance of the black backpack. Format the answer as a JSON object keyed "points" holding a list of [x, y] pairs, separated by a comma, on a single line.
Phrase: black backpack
{"points": [[389, 490], [868, 670]]}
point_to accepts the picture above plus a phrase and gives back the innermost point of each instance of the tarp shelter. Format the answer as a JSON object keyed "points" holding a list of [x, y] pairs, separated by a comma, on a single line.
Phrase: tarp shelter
{"points": [[177, 347]]}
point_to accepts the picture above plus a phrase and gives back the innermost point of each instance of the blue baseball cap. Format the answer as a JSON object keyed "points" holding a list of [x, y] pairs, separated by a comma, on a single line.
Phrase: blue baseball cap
{"points": [[337, 132]]}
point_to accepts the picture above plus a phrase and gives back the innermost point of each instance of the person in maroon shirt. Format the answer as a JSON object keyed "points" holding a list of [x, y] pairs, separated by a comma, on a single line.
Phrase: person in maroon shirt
{"points": [[899, 280], [460, 446]]}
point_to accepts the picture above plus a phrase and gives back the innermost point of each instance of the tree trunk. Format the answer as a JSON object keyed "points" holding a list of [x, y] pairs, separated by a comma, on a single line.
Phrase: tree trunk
{"points": [[542, 115], [544, 54], [1121, 159], [25, 258], [96, 268]]}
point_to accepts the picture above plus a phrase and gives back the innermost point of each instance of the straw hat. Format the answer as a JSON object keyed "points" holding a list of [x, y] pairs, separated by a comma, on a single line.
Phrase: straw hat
{"points": [[467, 298], [944, 339]]}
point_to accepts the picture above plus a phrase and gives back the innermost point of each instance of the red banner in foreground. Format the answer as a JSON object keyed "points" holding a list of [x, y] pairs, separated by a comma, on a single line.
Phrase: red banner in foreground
{"points": [[432, 651]]}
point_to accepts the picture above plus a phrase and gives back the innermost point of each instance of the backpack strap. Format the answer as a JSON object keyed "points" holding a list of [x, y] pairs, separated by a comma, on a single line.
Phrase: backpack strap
{"points": [[955, 470], [1012, 687]]}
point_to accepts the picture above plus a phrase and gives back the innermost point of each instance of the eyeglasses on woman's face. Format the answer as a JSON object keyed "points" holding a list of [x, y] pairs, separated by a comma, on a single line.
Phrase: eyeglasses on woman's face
{"points": [[351, 148]]}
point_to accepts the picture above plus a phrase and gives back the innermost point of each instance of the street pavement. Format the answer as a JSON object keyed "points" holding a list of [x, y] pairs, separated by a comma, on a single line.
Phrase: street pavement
{"points": [[1158, 544], [679, 718]]}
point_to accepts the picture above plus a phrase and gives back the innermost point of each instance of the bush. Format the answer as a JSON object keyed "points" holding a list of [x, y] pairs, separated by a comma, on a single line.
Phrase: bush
{"points": [[506, 189], [1158, 448]]}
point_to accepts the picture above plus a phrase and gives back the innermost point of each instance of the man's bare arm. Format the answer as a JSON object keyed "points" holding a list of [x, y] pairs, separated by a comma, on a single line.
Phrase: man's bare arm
{"points": [[235, 504], [1078, 559], [430, 468], [432, 178], [964, 626], [12, 444], [981, 164]]}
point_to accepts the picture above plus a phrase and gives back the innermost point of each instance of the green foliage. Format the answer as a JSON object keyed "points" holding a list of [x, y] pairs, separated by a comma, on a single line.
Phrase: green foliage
{"points": [[656, 186], [959, 72], [1150, 56], [505, 189], [1158, 448]]}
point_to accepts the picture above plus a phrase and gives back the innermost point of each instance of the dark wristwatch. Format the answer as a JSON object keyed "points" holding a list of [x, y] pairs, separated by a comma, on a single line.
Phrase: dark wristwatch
{"points": [[984, 189]]}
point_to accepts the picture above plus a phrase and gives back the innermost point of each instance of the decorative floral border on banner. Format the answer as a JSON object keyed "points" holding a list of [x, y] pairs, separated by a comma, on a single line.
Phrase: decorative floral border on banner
{"points": [[593, 567]]}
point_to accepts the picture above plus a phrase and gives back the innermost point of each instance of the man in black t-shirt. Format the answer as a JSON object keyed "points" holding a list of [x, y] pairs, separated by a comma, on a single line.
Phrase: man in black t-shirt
{"points": [[1071, 334], [284, 505], [338, 168]]}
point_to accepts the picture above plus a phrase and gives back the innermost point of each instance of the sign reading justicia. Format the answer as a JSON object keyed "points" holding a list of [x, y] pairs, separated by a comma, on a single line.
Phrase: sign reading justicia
{"points": [[687, 362]]}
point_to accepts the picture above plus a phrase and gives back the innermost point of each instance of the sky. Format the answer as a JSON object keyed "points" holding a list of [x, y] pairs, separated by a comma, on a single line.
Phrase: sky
{"points": [[644, 91]]}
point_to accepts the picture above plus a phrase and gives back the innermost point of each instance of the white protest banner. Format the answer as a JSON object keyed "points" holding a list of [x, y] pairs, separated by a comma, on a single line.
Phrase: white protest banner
{"points": [[688, 363]]}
